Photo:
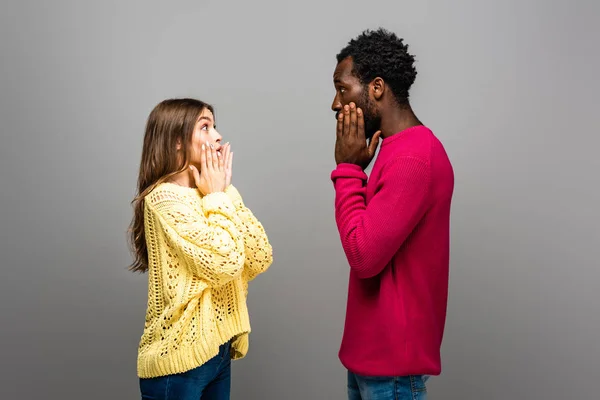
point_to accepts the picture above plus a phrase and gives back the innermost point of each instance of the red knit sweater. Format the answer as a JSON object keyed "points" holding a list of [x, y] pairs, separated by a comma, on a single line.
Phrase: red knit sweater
{"points": [[395, 233]]}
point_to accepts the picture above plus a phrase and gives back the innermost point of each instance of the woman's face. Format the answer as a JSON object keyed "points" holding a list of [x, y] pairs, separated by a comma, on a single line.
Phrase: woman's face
{"points": [[205, 132]]}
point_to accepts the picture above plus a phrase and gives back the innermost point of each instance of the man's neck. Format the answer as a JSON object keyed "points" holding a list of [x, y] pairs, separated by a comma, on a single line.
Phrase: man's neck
{"points": [[397, 119]]}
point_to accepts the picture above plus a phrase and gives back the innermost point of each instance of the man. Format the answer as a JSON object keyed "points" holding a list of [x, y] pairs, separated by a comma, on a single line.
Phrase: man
{"points": [[394, 226]]}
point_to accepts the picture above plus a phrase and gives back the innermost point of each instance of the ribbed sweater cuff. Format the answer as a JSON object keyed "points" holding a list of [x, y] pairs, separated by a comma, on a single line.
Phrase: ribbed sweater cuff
{"points": [[234, 195], [346, 170], [218, 202]]}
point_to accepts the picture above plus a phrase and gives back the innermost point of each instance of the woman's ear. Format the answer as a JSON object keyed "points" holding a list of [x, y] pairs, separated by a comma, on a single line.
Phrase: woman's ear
{"points": [[178, 145]]}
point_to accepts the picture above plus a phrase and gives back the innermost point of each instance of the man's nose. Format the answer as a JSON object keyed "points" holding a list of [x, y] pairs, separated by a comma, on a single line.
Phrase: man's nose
{"points": [[336, 105]]}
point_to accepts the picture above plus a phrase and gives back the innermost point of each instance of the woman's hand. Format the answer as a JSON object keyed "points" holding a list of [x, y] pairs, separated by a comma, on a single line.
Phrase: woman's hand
{"points": [[212, 176], [228, 159]]}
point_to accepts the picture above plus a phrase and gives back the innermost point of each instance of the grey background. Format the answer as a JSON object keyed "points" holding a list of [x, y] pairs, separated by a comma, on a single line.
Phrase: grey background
{"points": [[511, 88]]}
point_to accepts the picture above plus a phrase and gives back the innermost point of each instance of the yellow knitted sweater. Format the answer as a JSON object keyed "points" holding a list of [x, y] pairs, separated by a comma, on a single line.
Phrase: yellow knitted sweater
{"points": [[202, 252]]}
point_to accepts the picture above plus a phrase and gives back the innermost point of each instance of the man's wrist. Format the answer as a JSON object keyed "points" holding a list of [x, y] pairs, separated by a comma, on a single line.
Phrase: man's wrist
{"points": [[348, 170]]}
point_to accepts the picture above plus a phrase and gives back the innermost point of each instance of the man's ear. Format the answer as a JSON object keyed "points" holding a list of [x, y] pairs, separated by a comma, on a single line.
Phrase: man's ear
{"points": [[377, 88]]}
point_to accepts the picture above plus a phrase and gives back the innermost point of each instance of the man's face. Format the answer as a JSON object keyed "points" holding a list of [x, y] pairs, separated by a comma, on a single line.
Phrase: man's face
{"points": [[348, 88]]}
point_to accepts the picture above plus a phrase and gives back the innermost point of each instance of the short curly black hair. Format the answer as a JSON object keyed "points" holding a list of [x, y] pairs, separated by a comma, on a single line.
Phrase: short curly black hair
{"points": [[381, 53]]}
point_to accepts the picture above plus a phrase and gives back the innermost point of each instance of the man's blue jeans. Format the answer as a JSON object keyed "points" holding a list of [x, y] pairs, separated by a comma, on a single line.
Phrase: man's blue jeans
{"points": [[386, 388], [210, 381]]}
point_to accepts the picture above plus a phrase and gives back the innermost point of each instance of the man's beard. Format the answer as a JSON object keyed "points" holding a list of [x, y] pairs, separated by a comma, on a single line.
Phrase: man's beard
{"points": [[370, 115]]}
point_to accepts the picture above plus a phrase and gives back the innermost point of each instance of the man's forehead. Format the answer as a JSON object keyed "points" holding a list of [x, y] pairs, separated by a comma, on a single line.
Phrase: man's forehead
{"points": [[343, 69]]}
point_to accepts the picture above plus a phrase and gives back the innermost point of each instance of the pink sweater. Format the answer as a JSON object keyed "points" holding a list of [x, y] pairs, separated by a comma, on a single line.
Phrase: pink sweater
{"points": [[395, 233]]}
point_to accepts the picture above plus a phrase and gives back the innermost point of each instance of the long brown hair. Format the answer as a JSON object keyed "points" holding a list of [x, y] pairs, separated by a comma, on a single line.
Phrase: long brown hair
{"points": [[170, 121]]}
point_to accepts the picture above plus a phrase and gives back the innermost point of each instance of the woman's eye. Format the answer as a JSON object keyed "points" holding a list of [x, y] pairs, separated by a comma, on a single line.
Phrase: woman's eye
{"points": [[204, 127]]}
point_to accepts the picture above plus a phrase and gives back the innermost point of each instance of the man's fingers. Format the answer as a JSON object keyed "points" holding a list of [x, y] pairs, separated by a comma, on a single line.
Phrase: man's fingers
{"points": [[340, 124], [353, 130], [360, 124], [374, 142], [346, 129]]}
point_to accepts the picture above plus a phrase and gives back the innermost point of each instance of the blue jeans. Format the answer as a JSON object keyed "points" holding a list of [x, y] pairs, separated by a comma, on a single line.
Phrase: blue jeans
{"points": [[386, 388], [210, 381]]}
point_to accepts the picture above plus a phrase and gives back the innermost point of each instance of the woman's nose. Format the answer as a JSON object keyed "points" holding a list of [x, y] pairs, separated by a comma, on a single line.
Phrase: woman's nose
{"points": [[217, 136]]}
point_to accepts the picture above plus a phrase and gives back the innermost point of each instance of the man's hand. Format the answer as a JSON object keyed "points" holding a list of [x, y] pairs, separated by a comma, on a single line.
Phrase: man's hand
{"points": [[351, 144]]}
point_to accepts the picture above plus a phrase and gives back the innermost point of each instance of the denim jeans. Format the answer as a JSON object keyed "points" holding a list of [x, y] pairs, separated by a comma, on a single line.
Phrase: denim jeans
{"points": [[386, 388], [210, 381]]}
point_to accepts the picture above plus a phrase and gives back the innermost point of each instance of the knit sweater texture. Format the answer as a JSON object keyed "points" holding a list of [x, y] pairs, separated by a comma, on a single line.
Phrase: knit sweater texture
{"points": [[202, 252], [395, 232]]}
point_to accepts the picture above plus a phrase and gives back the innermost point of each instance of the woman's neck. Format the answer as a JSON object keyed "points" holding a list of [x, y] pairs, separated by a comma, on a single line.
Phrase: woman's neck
{"points": [[183, 179]]}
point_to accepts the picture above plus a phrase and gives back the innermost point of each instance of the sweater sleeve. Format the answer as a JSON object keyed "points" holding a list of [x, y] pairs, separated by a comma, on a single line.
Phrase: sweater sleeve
{"points": [[371, 234], [212, 244], [258, 250]]}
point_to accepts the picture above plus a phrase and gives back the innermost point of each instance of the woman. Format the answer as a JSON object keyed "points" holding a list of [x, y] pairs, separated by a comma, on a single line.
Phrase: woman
{"points": [[200, 246]]}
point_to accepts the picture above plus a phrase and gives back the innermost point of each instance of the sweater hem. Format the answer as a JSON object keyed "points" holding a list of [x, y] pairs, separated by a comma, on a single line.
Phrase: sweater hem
{"points": [[387, 371], [190, 357]]}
